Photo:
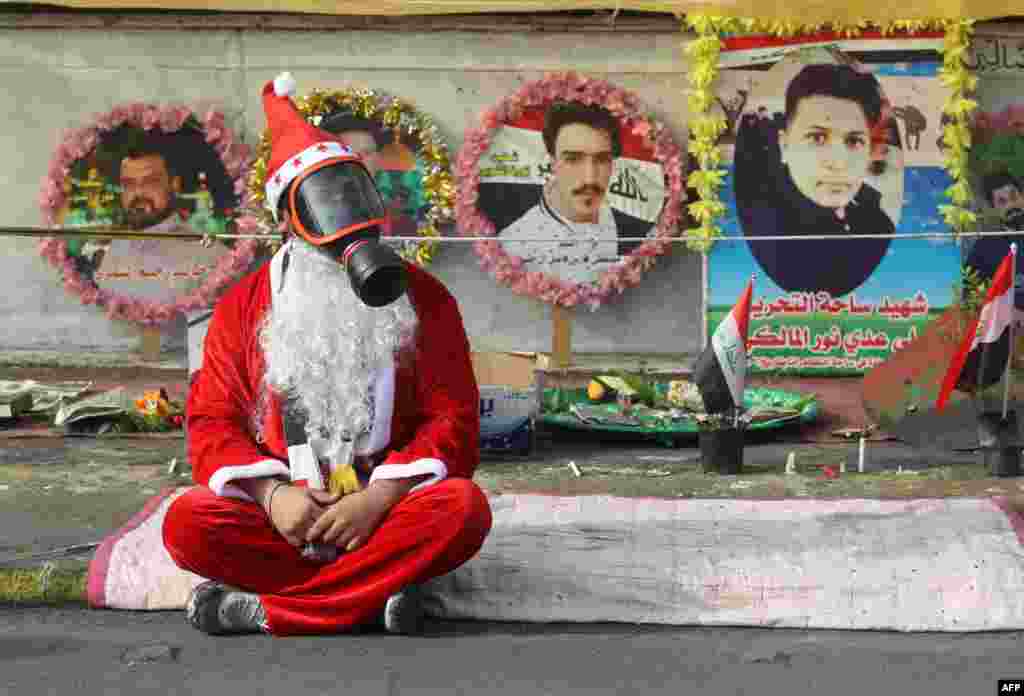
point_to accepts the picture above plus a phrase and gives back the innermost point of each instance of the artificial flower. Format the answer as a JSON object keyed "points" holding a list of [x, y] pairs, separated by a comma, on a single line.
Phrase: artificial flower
{"points": [[153, 403], [150, 118], [105, 122], [90, 295]]}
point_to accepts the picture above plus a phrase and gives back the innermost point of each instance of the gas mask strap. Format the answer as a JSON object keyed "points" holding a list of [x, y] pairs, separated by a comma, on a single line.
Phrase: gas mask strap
{"points": [[284, 267]]}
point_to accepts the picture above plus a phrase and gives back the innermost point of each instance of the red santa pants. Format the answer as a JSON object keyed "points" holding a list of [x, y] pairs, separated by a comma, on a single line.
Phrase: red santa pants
{"points": [[430, 532]]}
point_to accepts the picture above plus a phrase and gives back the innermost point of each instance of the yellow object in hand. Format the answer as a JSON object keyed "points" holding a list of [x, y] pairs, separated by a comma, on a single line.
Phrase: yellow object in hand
{"points": [[344, 481]]}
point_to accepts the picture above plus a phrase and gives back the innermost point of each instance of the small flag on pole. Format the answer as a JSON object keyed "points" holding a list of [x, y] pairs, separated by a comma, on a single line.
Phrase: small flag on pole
{"points": [[985, 351], [721, 370]]}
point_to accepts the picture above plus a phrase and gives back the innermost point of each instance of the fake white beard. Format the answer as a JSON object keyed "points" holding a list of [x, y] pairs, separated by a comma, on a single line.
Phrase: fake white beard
{"points": [[322, 346]]}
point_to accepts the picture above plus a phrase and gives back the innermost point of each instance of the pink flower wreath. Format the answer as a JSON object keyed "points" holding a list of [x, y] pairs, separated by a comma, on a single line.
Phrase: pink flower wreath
{"points": [[78, 143], [508, 269]]}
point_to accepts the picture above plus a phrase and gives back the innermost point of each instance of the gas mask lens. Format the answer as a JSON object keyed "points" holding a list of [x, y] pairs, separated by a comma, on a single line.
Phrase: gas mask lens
{"points": [[337, 199], [338, 208]]}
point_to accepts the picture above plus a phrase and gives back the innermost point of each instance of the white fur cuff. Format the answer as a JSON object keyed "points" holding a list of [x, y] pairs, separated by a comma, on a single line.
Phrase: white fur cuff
{"points": [[224, 475], [434, 467]]}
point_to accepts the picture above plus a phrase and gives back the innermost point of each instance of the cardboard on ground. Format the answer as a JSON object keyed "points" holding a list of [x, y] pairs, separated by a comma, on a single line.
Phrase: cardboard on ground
{"points": [[899, 395], [514, 370]]}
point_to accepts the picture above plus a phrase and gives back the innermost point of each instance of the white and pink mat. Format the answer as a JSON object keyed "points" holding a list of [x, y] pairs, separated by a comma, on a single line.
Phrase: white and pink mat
{"points": [[952, 564]]}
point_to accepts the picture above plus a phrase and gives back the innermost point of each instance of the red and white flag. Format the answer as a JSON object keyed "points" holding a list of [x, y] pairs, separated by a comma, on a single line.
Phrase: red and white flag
{"points": [[721, 371], [985, 350]]}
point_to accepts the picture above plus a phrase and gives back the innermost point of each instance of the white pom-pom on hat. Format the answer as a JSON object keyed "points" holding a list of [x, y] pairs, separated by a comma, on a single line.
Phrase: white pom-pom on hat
{"points": [[284, 85]]}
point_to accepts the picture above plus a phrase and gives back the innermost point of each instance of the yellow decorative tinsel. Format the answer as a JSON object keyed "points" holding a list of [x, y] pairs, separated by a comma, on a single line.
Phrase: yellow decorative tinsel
{"points": [[705, 129], [397, 115], [957, 133]]}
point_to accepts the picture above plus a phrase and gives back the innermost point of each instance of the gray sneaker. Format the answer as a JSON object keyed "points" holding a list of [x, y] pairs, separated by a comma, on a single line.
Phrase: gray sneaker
{"points": [[403, 612], [217, 609]]}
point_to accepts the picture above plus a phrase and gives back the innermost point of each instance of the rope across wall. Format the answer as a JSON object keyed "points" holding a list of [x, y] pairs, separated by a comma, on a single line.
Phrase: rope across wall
{"points": [[132, 234]]}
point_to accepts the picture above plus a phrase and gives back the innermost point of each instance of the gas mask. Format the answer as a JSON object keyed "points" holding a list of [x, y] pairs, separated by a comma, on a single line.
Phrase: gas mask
{"points": [[336, 207]]}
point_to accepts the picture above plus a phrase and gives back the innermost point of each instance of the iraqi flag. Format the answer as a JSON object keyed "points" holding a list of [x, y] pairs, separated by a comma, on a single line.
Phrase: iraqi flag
{"points": [[721, 370], [985, 350]]}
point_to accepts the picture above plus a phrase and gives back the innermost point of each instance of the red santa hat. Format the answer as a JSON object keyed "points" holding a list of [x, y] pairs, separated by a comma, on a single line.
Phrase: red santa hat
{"points": [[295, 144]]}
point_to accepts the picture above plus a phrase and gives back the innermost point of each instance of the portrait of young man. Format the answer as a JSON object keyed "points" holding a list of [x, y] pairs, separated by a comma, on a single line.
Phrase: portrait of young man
{"points": [[583, 143], [1005, 194], [817, 176]]}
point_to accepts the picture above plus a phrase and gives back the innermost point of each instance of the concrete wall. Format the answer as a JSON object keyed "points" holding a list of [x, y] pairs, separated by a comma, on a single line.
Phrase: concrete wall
{"points": [[58, 79]]}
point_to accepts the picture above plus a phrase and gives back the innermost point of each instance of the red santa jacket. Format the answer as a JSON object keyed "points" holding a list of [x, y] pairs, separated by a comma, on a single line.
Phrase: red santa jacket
{"points": [[435, 423]]}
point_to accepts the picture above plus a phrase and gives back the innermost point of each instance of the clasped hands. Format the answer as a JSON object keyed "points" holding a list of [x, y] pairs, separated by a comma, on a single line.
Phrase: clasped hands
{"points": [[304, 515]]}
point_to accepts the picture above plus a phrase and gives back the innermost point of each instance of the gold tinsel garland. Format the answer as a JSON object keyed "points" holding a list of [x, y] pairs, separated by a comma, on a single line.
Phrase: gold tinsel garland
{"points": [[396, 114], [705, 128]]}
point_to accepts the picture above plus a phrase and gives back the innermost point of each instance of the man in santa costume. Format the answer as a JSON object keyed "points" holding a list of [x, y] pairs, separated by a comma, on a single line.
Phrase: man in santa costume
{"points": [[369, 355]]}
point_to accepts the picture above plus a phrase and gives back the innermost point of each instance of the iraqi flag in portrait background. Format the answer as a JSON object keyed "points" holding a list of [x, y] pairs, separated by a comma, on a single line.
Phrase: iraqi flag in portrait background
{"points": [[516, 165], [985, 350], [721, 371], [750, 50]]}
